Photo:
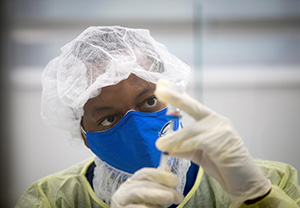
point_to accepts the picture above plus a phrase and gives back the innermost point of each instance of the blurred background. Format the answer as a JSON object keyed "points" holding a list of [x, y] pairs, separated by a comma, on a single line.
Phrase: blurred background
{"points": [[245, 57]]}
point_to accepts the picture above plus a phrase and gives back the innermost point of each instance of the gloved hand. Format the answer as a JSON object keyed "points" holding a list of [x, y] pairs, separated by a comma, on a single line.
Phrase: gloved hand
{"points": [[148, 187], [213, 143]]}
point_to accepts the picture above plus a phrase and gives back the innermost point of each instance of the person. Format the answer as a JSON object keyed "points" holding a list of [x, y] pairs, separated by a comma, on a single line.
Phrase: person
{"points": [[110, 88]]}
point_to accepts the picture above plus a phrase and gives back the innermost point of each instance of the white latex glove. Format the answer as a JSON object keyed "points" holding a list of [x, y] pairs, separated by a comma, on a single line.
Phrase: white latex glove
{"points": [[213, 143], [148, 187]]}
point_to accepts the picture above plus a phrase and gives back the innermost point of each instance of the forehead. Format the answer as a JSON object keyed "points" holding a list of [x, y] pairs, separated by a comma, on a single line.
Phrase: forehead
{"points": [[124, 92]]}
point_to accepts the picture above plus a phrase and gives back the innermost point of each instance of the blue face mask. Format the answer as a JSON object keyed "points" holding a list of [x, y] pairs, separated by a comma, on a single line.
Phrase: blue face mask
{"points": [[130, 144]]}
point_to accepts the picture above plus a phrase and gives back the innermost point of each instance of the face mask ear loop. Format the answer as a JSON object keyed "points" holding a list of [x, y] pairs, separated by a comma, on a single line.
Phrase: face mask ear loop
{"points": [[83, 134], [82, 129]]}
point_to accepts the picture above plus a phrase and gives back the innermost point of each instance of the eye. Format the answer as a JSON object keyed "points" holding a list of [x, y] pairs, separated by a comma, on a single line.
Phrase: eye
{"points": [[108, 121], [150, 102]]}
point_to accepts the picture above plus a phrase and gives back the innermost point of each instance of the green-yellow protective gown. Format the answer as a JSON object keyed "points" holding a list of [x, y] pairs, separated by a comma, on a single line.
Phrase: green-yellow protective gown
{"points": [[70, 188]]}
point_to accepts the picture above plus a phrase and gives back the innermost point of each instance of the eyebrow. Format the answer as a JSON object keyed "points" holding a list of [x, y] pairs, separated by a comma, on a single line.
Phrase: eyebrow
{"points": [[146, 90], [101, 109]]}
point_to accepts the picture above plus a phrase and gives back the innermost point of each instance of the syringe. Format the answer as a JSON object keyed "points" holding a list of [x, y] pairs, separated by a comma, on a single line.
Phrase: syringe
{"points": [[173, 114]]}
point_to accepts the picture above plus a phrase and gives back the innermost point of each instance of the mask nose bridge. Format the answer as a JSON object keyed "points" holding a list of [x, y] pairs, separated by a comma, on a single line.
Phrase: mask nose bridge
{"points": [[129, 108]]}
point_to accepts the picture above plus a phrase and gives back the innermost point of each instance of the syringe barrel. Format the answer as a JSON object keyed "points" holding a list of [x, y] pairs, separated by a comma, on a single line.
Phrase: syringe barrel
{"points": [[163, 163], [173, 114]]}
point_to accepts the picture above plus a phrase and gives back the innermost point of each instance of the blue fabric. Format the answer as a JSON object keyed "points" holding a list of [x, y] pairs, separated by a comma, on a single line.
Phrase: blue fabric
{"points": [[90, 174], [190, 178], [130, 144]]}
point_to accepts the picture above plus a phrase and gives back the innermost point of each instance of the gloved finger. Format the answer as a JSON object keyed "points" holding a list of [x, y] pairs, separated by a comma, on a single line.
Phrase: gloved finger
{"points": [[181, 100], [146, 192], [175, 145], [200, 135], [156, 175]]}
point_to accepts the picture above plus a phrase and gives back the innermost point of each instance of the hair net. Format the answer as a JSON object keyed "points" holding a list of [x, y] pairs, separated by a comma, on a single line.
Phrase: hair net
{"points": [[99, 57]]}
